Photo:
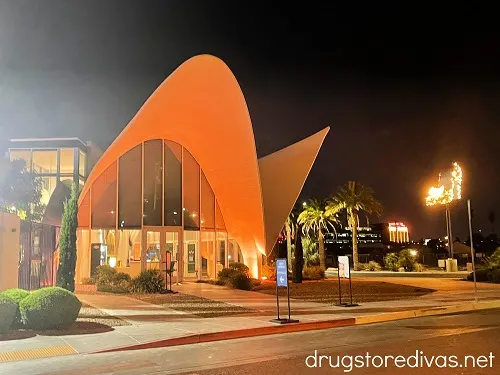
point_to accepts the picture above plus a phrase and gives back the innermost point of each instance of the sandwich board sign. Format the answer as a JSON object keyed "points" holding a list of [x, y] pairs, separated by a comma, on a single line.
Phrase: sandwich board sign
{"points": [[282, 281], [344, 271], [281, 273]]}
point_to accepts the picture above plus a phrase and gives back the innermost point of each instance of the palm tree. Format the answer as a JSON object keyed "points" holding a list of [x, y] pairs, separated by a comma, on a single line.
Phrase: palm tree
{"points": [[315, 219], [353, 198], [290, 232]]}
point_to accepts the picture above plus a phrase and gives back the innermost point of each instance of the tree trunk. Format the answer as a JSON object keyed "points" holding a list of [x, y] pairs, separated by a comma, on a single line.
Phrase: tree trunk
{"points": [[298, 263], [354, 226], [289, 246], [322, 257]]}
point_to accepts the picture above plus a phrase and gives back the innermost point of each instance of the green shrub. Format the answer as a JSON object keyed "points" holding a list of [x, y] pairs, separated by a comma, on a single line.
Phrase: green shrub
{"points": [[269, 272], [49, 308], [240, 267], [148, 281], [239, 280], [105, 274], [493, 261], [481, 275], [117, 289], [371, 266], [407, 260], [17, 295], [313, 273], [8, 308], [89, 281], [494, 276], [391, 262]]}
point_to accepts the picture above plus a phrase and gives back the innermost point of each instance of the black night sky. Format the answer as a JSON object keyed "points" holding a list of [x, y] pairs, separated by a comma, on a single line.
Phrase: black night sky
{"points": [[405, 91]]}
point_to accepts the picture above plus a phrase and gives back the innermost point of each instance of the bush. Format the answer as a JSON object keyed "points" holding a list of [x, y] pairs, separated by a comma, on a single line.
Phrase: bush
{"points": [[371, 266], [494, 276], [406, 260], [493, 261], [240, 267], [105, 274], [17, 295], [148, 281], [8, 308], [391, 262], [89, 281], [239, 280], [236, 277], [49, 308], [108, 280], [313, 273], [481, 275], [269, 272]]}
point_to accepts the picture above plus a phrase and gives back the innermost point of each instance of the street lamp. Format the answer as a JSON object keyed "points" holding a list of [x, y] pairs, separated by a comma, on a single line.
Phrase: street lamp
{"points": [[443, 195]]}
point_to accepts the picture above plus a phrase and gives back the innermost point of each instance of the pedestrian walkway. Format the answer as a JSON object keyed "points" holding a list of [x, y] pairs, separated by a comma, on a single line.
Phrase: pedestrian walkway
{"points": [[150, 324]]}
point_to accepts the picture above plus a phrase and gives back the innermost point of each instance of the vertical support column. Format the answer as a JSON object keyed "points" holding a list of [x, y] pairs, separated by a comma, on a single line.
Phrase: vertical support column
{"points": [[144, 233]]}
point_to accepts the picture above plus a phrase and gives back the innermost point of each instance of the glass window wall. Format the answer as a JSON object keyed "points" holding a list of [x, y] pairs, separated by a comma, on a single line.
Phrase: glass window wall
{"points": [[191, 192], [153, 182], [219, 220], [82, 164], [207, 218], [130, 191], [191, 249], [173, 183], [48, 186], [67, 160], [103, 199], [22, 155], [44, 161], [208, 266]]}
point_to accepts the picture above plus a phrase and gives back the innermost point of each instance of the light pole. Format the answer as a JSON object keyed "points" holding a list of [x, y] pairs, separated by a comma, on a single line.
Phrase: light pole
{"points": [[472, 251], [445, 196]]}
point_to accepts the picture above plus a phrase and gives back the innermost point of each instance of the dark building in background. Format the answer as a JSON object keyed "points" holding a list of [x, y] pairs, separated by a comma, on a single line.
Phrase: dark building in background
{"points": [[373, 241]]}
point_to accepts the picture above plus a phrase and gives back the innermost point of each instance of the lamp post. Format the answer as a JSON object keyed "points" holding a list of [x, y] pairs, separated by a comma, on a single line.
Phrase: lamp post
{"points": [[472, 251]]}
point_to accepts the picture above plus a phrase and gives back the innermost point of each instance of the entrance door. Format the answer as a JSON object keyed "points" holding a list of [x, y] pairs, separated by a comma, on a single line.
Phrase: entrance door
{"points": [[172, 247], [156, 242], [191, 257]]}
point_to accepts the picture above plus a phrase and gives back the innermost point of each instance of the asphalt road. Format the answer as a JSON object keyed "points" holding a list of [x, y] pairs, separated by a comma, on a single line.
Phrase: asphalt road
{"points": [[473, 334]]}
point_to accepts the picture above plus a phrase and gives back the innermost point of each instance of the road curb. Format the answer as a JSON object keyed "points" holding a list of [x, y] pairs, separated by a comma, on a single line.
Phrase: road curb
{"points": [[302, 327], [451, 309], [237, 334]]}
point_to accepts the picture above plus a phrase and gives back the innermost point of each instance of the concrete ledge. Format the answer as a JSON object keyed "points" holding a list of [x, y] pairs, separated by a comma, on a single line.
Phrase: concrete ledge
{"points": [[237, 334], [309, 326], [452, 309], [429, 274]]}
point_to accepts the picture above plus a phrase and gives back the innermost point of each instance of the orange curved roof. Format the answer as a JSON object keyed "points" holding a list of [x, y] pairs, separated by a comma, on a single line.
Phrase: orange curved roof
{"points": [[201, 106]]}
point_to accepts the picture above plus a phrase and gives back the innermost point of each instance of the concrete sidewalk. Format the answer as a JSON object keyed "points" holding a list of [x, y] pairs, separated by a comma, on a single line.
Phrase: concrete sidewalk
{"points": [[156, 325]]}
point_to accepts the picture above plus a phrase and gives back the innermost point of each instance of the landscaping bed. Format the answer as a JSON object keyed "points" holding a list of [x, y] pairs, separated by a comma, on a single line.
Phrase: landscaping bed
{"points": [[326, 291], [202, 307]]}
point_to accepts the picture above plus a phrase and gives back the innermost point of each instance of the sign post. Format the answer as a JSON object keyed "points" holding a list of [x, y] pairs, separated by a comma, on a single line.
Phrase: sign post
{"points": [[344, 272], [282, 282], [169, 270]]}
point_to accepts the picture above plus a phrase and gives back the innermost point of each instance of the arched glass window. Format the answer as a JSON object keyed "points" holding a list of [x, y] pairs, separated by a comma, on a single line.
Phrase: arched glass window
{"points": [[173, 183], [103, 199], [207, 204], [191, 191], [153, 182], [130, 189]]}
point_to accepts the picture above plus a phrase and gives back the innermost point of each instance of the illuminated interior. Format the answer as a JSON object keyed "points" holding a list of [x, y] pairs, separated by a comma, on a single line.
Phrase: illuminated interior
{"points": [[398, 232]]}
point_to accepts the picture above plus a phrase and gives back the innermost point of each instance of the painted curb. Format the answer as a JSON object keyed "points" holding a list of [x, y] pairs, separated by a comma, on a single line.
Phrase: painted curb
{"points": [[237, 334], [302, 327]]}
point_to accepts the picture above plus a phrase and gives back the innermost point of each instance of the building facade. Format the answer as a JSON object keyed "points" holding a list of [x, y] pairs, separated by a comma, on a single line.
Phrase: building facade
{"points": [[183, 182], [56, 160]]}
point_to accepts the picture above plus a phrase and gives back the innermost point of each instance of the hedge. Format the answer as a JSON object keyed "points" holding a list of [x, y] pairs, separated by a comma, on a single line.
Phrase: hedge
{"points": [[17, 295], [49, 308], [8, 310]]}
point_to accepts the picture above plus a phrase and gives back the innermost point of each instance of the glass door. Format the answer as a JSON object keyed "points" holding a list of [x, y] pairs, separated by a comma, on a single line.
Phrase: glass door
{"points": [[153, 249], [191, 267], [172, 247]]}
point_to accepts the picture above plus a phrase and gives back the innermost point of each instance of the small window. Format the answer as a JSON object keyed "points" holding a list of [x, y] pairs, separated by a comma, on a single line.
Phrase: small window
{"points": [[82, 164], [45, 161], [67, 160]]}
